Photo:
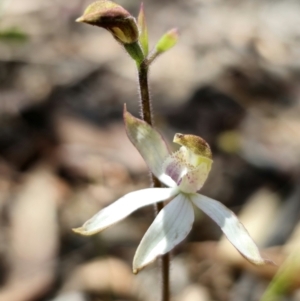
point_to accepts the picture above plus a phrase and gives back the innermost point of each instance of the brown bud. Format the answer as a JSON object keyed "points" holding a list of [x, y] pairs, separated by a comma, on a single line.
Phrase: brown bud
{"points": [[114, 18]]}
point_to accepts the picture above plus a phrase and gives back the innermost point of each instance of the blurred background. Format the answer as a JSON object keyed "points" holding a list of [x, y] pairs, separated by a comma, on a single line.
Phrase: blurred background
{"points": [[233, 79]]}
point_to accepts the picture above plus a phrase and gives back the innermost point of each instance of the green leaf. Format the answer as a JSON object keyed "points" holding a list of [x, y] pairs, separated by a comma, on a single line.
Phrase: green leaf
{"points": [[143, 38], [13, 35], [167, 41]]}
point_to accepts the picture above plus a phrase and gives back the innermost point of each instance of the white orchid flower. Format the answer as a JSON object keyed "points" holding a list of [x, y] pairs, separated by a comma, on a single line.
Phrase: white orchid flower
{"points": [[184, 172]]}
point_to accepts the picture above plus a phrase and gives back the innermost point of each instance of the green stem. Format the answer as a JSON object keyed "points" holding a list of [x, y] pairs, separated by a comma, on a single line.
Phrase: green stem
{"points": [[146, 115], [135, 51]]}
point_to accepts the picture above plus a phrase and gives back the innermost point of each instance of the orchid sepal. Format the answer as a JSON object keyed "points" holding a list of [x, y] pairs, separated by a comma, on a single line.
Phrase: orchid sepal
{"points": [[170, 227], [233, 229], [124, 207], [150, 145]]}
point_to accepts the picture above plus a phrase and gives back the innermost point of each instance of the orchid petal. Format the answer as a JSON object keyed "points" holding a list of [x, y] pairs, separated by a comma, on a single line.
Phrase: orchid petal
{"points": [[150, 145], [176, 166], [195, 177], [123, 207], [187, 169], [231, 227], [170, 227]]}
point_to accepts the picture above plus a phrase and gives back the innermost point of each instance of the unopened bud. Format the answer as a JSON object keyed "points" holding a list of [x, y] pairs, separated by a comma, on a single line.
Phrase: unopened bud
{"points": [[114, 18]]}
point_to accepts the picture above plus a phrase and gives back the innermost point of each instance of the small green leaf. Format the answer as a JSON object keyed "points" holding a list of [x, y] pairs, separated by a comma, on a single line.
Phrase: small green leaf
{"points": [[167, 41], [143, 38], [13, 35]]}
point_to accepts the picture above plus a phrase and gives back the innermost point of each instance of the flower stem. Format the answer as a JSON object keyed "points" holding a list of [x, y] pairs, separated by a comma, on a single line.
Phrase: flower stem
{"points": [[146, 115], [146, 112]]}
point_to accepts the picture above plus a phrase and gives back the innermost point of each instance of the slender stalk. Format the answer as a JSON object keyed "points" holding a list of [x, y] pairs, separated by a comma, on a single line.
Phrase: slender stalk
{"points": [[146, 115], [146, 112]]}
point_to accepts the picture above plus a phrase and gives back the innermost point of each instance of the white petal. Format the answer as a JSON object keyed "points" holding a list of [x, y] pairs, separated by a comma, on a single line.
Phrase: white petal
{"points": [[150, 145], [176, 165], [167, 180], [231, 227], [123, 207], [170, 227]]}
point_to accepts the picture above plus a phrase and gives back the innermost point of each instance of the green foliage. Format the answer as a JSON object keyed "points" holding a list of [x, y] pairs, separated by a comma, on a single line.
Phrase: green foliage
{"points": [[143, 38], [167, 41], [284, 280], [13, 35]]}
